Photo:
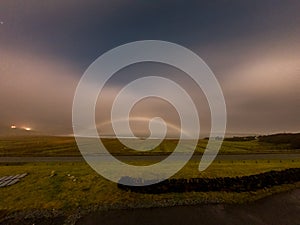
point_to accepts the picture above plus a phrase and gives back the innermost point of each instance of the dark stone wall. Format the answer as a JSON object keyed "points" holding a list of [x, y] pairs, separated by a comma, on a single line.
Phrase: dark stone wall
{"points": [[230, 184]]}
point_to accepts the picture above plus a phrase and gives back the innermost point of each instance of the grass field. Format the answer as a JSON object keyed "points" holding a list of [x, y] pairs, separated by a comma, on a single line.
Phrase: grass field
{"points": [[77, 185], [66, 146]]}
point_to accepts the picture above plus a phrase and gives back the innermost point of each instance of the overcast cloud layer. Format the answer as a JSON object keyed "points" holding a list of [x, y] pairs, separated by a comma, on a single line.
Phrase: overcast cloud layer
{"points": [[253, 47]]}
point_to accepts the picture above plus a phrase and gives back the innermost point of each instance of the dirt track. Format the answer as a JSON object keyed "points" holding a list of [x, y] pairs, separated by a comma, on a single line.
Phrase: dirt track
{"points": [[281, 209]]}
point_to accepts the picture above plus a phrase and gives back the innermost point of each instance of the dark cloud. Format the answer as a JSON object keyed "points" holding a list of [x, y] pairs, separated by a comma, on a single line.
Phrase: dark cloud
{"points": [[252, 47]]}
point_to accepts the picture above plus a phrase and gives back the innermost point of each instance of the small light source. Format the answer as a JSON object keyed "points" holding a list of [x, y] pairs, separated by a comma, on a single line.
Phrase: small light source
{"points": [[13, 127], [27, 128]]}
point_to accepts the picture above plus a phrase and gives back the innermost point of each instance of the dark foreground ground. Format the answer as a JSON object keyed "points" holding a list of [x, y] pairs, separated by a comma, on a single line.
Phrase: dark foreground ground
{"points": [[281, 209]]}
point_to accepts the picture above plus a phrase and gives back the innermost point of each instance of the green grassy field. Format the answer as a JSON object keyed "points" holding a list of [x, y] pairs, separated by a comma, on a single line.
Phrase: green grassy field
{"points": [[66, 146], [77, 185]]}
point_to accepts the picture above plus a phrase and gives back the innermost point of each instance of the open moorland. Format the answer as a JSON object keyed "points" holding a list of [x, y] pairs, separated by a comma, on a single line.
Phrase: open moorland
{"points": [[66, 146], [75, 189]]}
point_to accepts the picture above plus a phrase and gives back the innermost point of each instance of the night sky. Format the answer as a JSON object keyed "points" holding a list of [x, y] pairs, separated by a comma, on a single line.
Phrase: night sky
{"points": [[253, 48]]}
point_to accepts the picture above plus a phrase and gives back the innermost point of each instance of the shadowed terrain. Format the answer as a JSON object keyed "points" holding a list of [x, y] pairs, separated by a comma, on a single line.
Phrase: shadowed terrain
{"points": [[276, 210]]}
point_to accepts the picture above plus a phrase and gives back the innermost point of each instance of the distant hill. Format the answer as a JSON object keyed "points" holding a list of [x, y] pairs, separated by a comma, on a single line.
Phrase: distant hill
{"points": [[293, 139]]}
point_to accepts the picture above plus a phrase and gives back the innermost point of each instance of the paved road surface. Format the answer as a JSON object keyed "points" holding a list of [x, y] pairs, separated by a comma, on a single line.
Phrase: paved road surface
{"points": [[152, 158]]}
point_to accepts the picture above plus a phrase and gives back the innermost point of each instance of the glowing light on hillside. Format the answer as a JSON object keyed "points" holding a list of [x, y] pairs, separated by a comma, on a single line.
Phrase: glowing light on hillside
{"points": [[13, 127], [27, 128]]}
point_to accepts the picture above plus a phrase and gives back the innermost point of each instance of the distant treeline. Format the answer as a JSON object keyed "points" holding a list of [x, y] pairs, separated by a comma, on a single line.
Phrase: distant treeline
{"points": [[235, 138], [247, 138], [286, 138], [229, 184]]}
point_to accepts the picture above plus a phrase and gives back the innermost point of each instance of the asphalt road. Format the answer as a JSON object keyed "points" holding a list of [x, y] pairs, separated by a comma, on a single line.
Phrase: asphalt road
{"points": [[153, 158]]}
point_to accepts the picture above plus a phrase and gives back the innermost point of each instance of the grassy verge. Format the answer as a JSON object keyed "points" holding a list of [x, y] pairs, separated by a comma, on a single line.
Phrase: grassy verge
{"points": [[77, 185]]}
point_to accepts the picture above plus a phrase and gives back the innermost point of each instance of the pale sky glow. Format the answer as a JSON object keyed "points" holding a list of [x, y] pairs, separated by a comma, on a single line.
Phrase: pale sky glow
{"points": [[253, 48], [139, 124]]}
